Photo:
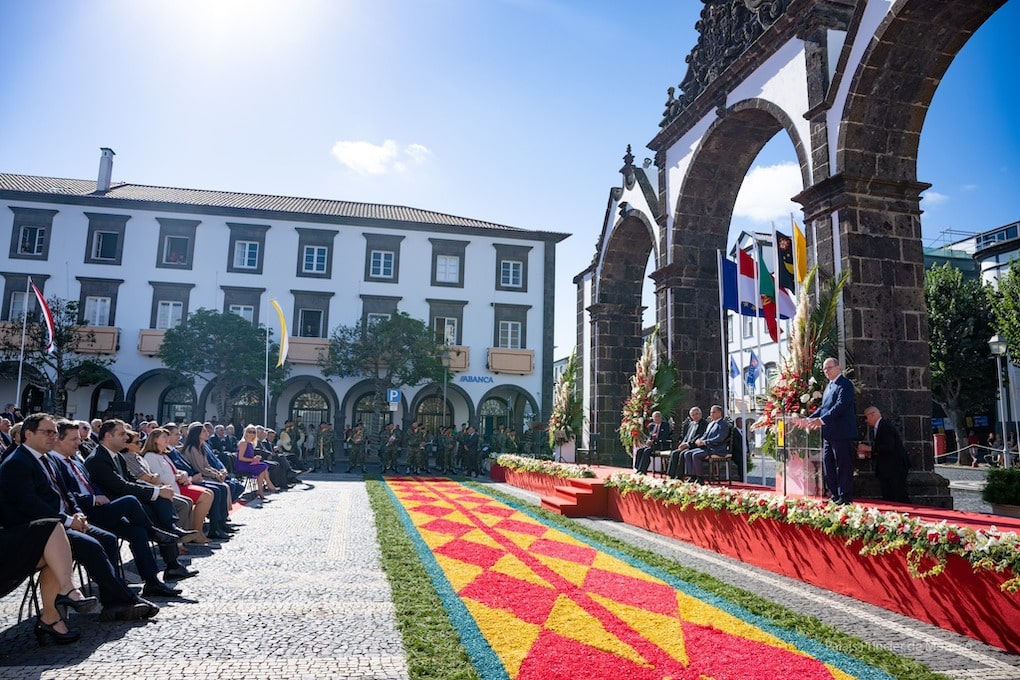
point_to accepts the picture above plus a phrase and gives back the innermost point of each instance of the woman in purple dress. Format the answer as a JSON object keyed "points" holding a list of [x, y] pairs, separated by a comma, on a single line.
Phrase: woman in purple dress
{"points": [[249, 463]]}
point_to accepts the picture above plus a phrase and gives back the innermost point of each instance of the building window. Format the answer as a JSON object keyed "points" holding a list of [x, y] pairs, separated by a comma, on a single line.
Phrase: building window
{"points": [[105, 238], [310, 323], [30, 233], [510, 330], [244, 302], [176, 248], [311, 313], [377, 308], [176, 404], [382, 257], [509, 335], [168, 314], [97, 310], [18, 309], [510, 273], [447, 320], [448, 262], [382, 264], [246, 254], [747, 324], [376, 317], [512, 267], [246, 312], [105, 245], [97, 301], [169, 304], [314, 260], [315, 249]]}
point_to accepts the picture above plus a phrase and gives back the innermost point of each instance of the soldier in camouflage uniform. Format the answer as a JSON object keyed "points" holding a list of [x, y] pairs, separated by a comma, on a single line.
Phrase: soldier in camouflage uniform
{"points": [[357, 441], [324, 446], [497, 443], [417, 457], [444, 450], [391, 447]]}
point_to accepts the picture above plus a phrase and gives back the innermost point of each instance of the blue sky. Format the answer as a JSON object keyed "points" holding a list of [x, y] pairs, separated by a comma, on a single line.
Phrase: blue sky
{"points": [[513, 111]]}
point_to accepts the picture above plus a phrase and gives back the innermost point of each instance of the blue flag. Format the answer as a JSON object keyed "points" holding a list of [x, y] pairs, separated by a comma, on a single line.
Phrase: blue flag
{"points": [[734, 369], [728, 283], [752, 369]]}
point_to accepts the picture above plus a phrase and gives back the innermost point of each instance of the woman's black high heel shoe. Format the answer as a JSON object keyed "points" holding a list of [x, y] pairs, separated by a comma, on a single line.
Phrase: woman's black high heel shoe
{"points": [[86, 605], [44, 630]]}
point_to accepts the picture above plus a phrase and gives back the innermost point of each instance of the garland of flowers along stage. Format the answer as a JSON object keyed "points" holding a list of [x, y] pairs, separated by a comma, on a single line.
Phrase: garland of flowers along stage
{"points": [[545, 467], [534, 600], [653, 387], [565, 421], [879, 532]]}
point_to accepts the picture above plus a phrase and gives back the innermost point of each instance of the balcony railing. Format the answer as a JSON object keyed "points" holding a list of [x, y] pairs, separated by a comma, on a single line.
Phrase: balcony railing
{"points": [[149, 341], [459, 357], [307, 350], [515, 361], [97, 339]]}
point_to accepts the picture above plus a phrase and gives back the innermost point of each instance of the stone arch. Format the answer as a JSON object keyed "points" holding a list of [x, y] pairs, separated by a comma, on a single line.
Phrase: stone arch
{"points": [[358, 390], [701, 224], [115, 405], [202, 406], [304, 383], [616, 315], [162, 413], [867, 218], [517, 397], [451, 390]]}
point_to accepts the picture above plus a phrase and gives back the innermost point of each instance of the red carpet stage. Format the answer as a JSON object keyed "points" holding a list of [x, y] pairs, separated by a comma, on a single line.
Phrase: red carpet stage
{"points": [[962, 599]]}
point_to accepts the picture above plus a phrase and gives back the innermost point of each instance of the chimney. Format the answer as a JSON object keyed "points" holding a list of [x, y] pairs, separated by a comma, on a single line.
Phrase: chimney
{"points": [[105, 171]]}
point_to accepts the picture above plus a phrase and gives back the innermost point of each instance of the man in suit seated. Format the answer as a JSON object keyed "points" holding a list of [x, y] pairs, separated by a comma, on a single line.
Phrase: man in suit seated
{"points": [[658, 440], [109, 472], [122, 516], [30, 489], [714, 442], [693, 428]]}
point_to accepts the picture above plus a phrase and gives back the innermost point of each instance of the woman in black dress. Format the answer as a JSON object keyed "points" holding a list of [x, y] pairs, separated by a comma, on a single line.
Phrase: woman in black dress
{"points": [[42, 544]]}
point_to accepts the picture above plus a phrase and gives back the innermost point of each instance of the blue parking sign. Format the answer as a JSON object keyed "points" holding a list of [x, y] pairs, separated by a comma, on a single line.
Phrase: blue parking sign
{"points": [[393, 396]]}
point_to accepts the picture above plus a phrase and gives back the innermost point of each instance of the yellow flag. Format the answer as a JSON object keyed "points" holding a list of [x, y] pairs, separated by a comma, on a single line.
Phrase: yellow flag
{"points": [[284, 343], [799, 253]]}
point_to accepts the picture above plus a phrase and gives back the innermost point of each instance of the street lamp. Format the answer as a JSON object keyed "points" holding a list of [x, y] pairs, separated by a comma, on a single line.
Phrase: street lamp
{"points": [[997, 346], [446, 379]]}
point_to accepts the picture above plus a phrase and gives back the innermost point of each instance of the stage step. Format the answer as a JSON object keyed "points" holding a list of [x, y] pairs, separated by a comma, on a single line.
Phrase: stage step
{"points": [[578, 498]]}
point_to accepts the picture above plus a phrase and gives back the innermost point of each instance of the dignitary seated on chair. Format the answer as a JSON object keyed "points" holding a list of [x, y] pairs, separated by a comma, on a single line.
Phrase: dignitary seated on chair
{"points": [[30, 489], [658, 439], [693, 428], [715, 441]]}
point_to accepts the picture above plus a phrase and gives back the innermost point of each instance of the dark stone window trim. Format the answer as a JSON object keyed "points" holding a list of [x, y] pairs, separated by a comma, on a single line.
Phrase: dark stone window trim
{"points": [[384, 243], [511, 253], [451, 309], [313, 300], [93, 287], [321, 238], [503, 312], [240, 295], [174, 228], [31, 217], [102, 223], [247, 232], [16, 282], [163, 291], [378, 304], [448, 247]]}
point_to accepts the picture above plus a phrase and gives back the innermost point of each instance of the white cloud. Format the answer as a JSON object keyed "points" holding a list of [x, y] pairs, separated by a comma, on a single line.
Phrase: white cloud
{"points": [[934, 198], [367, 158], [765, 194], [969, 187]]}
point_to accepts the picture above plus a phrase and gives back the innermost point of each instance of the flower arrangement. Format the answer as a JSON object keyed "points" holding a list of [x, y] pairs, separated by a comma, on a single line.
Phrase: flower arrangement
{"points": [[927, 543], [652, 387], [545, 467], [797, 391], [565, 420]]}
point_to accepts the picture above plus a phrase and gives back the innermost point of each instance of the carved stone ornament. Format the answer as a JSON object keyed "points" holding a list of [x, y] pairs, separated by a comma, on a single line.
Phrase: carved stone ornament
{"points": [[727, 28]]}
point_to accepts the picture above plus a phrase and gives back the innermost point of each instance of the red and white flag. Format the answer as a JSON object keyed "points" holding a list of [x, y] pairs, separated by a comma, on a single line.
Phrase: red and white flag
{"points": [[45, 309]]}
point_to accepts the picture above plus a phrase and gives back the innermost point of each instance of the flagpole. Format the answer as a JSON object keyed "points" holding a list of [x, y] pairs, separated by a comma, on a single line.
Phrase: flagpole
{"points": [[757, 331], [265, 397], [722, 327], [24, 328]]}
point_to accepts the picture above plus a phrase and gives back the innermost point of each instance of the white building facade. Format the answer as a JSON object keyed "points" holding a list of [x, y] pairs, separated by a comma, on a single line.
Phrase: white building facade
{"points": [[138, 259]]}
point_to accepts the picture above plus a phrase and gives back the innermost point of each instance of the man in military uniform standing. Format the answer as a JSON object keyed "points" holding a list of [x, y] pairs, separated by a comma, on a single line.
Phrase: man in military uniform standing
{"points": [[391, 447], [417, 458], [324, 446], [357, 441]]}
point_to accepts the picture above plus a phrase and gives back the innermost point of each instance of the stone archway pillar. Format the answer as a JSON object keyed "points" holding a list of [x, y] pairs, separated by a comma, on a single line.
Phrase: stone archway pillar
{"points": [[615, 354], [872, 227]]}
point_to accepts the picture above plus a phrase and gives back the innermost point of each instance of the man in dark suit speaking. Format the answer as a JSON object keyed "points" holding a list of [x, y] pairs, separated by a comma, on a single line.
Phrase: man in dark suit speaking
{"points": [[838, 421]]}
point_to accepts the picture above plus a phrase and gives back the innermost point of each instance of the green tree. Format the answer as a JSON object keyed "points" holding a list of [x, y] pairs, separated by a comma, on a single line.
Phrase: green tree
{"points": [[68, 366], [390, 352], [1006, 304], [959, 325], [223, 349]]}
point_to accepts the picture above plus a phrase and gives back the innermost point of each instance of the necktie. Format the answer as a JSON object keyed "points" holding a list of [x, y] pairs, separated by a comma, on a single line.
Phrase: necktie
{"points": [[82, 481], [65, 506]]}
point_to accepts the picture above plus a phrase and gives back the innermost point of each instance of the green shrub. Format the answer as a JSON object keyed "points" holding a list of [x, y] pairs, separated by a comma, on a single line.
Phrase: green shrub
{"points": [[1002, 486]]}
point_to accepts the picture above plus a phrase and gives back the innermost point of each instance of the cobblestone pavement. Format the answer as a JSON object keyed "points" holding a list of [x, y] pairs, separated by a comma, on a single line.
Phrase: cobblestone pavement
{"points": [[943, 651], [298, 593]]}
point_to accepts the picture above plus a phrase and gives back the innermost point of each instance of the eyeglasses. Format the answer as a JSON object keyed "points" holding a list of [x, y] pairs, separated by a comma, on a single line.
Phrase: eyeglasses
{"points": [[48, 433]]}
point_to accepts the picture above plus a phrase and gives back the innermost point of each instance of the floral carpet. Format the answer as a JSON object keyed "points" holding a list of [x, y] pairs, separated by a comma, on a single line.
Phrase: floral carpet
{"points": [[534, 601]]}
